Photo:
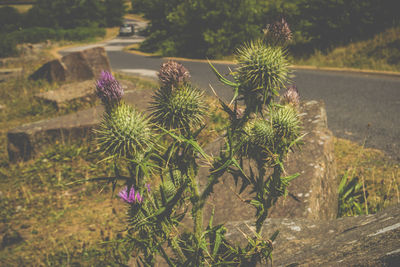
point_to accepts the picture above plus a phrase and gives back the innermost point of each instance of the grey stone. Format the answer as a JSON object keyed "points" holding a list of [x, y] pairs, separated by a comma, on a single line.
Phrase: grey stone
{"points": [[11, 237], [76, 91], [26, 140], [312, 195], [77, 66], [371, 240], [6, 74]]}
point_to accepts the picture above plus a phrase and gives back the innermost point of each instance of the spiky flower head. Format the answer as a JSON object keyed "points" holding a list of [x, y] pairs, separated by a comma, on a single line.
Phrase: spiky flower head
{"points": [[258, 137], [180, 108], [286, 123], [108, 89], [172, 74], [262, 71], [291, 96], [279, 32], [130, 196], [125, 132]]}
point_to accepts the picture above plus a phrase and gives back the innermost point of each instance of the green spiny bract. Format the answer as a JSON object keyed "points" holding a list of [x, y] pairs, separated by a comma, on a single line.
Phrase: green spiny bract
{"points": [[263, 137], [258, 138], [125, 132], [286, 123], [182, 107], [262, 71]]}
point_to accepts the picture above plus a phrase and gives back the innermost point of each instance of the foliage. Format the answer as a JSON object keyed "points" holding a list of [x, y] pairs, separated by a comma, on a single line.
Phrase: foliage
{"points": [[214, 28], [199, 28], [369, 179], [162, 178], [382, 52], [9, 41], [351, 200], [7, 46], [69, 14], [10, 19]]}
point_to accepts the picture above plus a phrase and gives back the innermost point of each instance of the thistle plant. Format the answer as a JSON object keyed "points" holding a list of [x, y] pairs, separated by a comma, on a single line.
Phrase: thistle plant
{"points": [[109, 90], [161, 149], [291, 96], [278, 33], [172, 74]]}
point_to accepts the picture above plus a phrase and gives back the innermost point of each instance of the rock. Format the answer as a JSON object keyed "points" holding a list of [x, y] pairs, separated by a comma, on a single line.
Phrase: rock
{"points": [[76, 91], [10, 238], [68, 93], [371, 240], [312, 195], [77, 66], [9, 73], [26, 140]]}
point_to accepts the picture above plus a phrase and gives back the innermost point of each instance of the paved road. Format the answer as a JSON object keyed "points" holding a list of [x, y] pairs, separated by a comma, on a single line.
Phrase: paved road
{"points": [[359, 106]]}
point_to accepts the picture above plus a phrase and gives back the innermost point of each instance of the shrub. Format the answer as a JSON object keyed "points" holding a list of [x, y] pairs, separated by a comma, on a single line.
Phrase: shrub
{"points": [[7, 46], [10, 19]]}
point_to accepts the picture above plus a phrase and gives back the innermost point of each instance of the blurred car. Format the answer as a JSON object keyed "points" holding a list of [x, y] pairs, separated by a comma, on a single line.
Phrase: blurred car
{"points": [[127, 30]]}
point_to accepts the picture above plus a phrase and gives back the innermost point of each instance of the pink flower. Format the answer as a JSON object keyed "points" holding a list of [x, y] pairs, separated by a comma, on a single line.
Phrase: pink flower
{"points": [[130, 196], [108, 89], [291, 96]]}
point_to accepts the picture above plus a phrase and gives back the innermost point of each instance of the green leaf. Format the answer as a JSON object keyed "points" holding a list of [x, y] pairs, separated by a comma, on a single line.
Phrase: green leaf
{"points": [[222, 78]]}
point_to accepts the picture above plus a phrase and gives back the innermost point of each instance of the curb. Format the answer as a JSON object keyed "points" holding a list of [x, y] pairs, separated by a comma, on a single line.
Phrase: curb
{"points": [[352, 70], [300, 67]]}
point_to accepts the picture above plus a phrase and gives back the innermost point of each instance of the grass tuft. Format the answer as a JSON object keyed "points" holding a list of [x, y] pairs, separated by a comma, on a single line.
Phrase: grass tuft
{"points": [[382, 52]]}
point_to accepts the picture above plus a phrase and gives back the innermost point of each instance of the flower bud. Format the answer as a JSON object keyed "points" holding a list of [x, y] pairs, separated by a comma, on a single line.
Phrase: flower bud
{"points": [[129, 196], [279, 31], [172, 74], [291, 96]]}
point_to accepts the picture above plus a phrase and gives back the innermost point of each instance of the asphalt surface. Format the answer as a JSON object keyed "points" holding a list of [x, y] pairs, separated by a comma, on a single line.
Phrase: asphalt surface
{"points": [[360, 107]]}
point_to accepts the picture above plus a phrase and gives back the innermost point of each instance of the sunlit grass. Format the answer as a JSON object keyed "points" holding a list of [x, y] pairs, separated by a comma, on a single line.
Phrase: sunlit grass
{"points": [[22, 8], [378, 175], [382, 52]]}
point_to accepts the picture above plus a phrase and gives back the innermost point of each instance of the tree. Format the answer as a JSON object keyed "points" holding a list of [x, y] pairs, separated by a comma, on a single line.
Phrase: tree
{"points": [[199, 28], [69, 14]]}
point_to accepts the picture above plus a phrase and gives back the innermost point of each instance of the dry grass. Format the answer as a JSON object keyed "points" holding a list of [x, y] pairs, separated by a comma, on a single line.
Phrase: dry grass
{"points": [[382, 52], [380, 175], [22, 8]]}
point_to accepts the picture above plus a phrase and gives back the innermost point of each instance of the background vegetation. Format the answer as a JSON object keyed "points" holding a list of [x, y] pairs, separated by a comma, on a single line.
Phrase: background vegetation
{"points": [[74, 20], [214, 28]]}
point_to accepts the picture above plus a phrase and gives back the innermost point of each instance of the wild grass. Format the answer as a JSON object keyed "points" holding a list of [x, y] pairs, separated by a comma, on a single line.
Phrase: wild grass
{"points": [[22, 8], [371, 179], [46, 218], [382, 52]]}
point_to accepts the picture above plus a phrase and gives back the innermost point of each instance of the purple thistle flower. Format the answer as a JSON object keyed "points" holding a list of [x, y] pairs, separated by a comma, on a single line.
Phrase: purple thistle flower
{"points": [[138, 198], [108, 89], [130, 197], [291, 96], [148, 187], [172, 73]]}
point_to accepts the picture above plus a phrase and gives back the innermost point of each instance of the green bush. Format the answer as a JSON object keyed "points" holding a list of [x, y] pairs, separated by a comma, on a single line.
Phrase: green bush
{"points": [[199, 28], [10, 19], [68, 14], [214, 28], [7, 46], [9, 41], [40, 34]]}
